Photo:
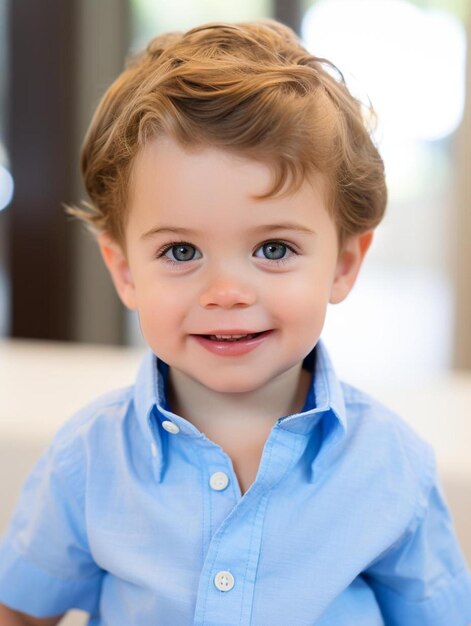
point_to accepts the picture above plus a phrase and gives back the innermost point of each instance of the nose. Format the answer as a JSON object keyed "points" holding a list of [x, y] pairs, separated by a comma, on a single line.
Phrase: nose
{"points": [[226, 292]]}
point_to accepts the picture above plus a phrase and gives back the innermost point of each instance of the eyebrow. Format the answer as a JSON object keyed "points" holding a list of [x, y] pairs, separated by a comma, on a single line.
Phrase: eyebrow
{"points": [[258, 229]]}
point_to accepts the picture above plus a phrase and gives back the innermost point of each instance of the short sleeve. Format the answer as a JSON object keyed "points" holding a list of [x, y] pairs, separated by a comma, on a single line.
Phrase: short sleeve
{"points": [[45, 563], [423, 579]]}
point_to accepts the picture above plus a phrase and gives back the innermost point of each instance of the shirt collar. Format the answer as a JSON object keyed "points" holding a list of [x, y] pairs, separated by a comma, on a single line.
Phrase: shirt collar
{"points": [[324, 400], [327, 388]]}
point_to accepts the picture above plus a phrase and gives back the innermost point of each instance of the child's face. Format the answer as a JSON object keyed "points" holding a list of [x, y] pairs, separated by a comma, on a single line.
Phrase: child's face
{"points": [[237, 267]]}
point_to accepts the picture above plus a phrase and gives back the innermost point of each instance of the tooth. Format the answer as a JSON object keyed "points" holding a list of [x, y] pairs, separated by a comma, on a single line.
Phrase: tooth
{"points": [[229, 337]]}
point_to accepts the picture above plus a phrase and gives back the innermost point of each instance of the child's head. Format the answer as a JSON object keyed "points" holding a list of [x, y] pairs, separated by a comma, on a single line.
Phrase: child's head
{"points": [[250, 89], [224, 168]]}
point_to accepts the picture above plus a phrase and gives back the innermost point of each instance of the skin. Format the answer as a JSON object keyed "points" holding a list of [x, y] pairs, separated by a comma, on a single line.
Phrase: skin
{"points": [[229, 281], [8, 617]]}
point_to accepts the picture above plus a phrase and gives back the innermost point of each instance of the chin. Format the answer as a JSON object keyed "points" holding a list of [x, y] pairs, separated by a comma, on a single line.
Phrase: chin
{"points": [[231, 386]]}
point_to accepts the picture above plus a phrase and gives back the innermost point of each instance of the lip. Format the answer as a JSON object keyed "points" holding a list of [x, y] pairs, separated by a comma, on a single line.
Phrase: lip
{"points": [[231, 331], [232, 348]]}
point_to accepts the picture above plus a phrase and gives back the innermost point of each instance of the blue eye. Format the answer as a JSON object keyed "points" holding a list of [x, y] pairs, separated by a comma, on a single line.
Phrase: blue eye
{"points": [[183, 252], [276, 251], [180, 250]]}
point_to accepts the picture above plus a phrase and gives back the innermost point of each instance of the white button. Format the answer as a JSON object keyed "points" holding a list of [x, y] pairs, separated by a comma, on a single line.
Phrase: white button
{"points": [[153, 448], [224, 581], [219, 481], [170, 427]]}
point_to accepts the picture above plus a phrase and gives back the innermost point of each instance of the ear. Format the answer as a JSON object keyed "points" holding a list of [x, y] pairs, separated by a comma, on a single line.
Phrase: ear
{"points": [[349, 262], [118, 266]]}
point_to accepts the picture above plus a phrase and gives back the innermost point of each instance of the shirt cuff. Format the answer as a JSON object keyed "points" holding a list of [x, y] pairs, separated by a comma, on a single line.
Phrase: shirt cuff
{"points": [[26, 587]]}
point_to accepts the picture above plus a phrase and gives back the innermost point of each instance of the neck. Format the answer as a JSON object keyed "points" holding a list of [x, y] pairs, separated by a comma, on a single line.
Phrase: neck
{"points": [[262, 407]]}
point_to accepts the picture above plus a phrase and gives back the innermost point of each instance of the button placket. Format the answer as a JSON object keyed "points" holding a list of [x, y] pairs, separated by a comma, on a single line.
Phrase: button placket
{"points": [[236, 543]]}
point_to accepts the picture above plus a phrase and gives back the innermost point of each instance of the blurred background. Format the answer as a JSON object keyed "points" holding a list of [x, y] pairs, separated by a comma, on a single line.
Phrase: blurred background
{"points": [[403, 334], [408, 316]]}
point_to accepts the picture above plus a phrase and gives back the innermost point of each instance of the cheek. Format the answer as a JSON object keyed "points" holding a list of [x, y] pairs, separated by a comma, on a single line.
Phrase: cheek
{"points": [[300, 293], [162, 307]]}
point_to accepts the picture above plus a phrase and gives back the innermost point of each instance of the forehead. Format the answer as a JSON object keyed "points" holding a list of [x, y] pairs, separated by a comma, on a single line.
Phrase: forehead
{"points": [[178, 167], [174, 184]]}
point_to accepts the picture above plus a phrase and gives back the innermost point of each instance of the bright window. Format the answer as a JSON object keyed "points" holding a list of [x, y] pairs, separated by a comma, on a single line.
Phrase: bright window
{"points": [[150, 17]]}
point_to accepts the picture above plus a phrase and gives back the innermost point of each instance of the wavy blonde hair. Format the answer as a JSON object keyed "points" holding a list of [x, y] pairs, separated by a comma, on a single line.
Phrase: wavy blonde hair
{"points": [[250, 88]]}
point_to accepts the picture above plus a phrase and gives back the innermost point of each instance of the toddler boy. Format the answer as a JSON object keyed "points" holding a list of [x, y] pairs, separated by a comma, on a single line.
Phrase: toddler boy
{"points": [[234, 190]]}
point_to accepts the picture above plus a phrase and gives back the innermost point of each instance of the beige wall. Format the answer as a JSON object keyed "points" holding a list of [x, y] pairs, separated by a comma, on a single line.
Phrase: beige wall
{"points": [[462, 256]]}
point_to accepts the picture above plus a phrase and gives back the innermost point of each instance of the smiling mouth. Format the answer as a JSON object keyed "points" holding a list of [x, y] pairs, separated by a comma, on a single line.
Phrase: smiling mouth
{"points": [[233, 345], [232, 337]]}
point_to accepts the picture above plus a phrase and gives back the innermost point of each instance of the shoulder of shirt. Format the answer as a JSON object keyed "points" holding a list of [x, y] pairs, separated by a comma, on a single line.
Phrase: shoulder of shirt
{"points": [[110, 406], [391, 435]]}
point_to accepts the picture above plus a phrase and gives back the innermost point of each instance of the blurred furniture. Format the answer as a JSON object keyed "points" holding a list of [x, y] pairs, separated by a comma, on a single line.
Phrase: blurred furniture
{"points": [[44, 383]]}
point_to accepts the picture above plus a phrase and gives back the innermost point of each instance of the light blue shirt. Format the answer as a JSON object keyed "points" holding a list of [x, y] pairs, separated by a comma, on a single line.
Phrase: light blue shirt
{"points": [[135, 516]]}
